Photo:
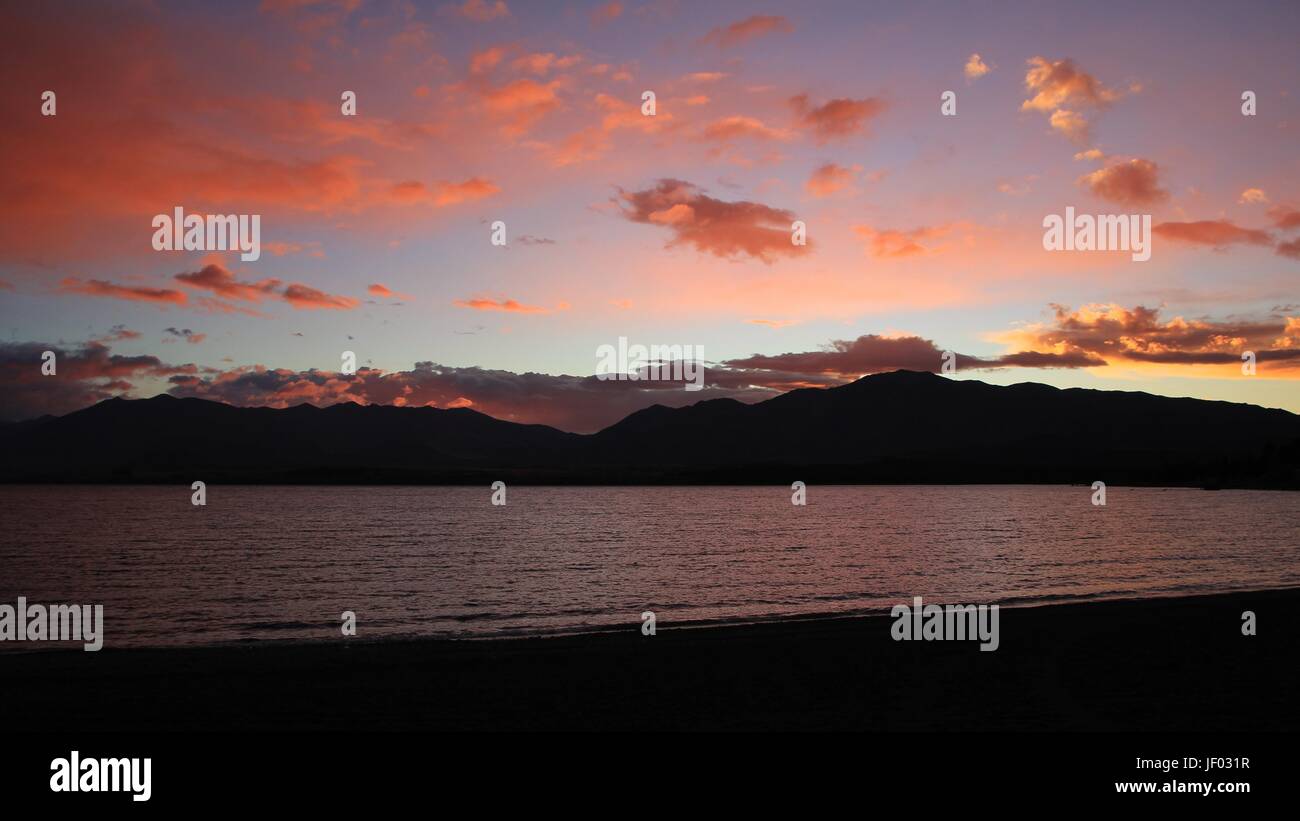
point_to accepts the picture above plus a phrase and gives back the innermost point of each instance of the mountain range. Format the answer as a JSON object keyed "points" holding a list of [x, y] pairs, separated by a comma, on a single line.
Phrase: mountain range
{"points": [[898, 427]]}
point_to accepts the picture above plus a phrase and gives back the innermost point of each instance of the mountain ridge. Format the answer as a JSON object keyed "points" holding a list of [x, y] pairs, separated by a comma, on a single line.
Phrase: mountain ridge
{"points": [[895, 427]]}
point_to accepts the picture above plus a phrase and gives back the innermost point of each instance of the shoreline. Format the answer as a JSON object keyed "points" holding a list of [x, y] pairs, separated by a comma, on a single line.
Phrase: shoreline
{"points": [[1173, 663], [486, 477], [15, 648]]}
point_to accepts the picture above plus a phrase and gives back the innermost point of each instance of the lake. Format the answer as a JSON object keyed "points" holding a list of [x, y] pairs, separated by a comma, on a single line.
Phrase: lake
{"points": [[269, 563]]}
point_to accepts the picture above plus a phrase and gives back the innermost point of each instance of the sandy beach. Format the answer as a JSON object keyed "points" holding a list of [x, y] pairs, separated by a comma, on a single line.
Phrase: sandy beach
{"points": [[1165, 664]]}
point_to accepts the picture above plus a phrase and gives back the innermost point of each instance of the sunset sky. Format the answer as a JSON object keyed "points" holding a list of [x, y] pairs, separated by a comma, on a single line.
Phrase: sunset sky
{"points": [[925, 231]]}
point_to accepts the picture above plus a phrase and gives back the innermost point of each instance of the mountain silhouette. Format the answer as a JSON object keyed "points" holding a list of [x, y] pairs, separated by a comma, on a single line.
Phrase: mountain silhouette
{"points": [[898, 427]]}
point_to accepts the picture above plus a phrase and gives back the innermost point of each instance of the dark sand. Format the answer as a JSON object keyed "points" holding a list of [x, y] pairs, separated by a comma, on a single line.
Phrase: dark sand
{"points": [[1164, 664]]}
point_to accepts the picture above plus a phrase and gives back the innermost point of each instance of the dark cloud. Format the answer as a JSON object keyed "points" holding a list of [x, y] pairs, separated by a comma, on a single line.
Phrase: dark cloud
{"points": [[118, 333], [186, 334], [1093, 336], [574, 403], [83, 376], [845, 360]]}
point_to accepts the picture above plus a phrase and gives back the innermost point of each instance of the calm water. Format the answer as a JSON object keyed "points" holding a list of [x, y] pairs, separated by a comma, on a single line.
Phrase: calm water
{"points": [[261, 563]]}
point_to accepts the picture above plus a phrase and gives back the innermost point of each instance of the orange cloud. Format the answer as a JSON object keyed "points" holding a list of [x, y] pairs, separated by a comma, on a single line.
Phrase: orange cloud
{"points": [[713, 226], [731, 128], [443, 193], [542, 63], [210, 149], [618, 113], [1215, 233], [1139, 335], [384, 292], [507, 305], [841, 117], [481, 11], [606, 13], [892, 243], [1284, 217], [303, 297], [1071, 124], [1060, 83], [748, 29], [975, 67], [522, 103], [281, 249], [1129, 183], [592, 142], [217, 279], [311, 17], [1061, 89], [315, 122], [581, 146], [102, 288], [829, 178], [486, 60]]}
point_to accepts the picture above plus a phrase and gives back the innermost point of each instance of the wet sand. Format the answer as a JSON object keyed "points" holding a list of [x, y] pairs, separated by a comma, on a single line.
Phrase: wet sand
{"points": [[1161, 664]]}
